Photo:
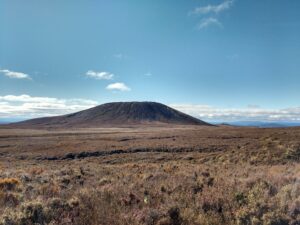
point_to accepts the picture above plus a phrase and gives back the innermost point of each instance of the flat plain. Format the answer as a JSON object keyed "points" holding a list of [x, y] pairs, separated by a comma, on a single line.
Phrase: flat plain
{"points": [[150, 175]]}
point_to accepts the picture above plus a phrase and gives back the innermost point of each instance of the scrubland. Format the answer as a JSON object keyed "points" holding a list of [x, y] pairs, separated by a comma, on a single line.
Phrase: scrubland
{"points": [[177, 175]]}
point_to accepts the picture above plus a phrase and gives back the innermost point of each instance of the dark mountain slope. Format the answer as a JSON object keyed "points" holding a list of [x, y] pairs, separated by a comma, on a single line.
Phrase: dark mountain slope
{"points": [[117, 114]]}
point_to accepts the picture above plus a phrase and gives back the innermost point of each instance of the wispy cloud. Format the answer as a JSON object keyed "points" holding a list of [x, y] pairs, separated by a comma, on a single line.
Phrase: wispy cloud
{"points": [[148, 74], [100, 75], [14, 74], [211, 113], [29, 107], [212, 8], [118, 87], [253, 106], [233, 57], [120, 56], [206, 13], [206, 22]]}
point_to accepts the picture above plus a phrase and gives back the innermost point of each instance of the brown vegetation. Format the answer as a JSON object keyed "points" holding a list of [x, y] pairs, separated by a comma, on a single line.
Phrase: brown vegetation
{"points": [[184, 175]]}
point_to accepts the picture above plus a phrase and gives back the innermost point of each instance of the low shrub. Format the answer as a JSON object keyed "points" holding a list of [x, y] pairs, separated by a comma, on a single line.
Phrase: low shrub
{"points": [[9, 183]]}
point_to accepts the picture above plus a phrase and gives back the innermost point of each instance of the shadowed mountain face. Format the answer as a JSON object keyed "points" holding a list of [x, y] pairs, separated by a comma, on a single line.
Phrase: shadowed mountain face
{"points": [[117, 114]]}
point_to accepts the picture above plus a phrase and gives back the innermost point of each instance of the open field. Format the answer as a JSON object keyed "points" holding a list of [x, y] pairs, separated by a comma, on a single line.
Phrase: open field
{"points": [[150, 175]]}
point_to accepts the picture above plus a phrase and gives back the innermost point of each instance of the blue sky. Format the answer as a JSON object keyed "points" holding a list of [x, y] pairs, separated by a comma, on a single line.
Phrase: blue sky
{"points": [[215, 59]]}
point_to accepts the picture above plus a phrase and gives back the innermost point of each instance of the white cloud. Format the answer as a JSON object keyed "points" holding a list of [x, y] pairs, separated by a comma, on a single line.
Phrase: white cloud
{"points": [[206, 22], [213, 8], [118, 87], [148, 74], [29, 107], [100, 75], [15, 75], [210, 113], [26, 98]]}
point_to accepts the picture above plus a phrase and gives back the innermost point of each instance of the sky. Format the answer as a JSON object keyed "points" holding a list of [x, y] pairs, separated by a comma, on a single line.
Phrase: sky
{"points": [[218, 60]]}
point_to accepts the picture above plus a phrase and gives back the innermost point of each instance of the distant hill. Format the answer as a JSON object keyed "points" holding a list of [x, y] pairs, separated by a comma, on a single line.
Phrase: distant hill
{"points": [[263, 124], [116, 114], [10, 120]]}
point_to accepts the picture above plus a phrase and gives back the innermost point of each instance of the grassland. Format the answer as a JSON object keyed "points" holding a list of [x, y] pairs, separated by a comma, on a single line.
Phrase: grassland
{"points": [[150, 175]]}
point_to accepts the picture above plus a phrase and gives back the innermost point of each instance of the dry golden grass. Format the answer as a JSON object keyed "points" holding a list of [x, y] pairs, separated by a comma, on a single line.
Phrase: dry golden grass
{"points": [[240, 176]]}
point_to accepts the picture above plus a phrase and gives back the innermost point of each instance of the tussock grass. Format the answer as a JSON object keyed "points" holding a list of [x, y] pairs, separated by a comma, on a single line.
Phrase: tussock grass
{"points": [[222, 176], [156, 193]]}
